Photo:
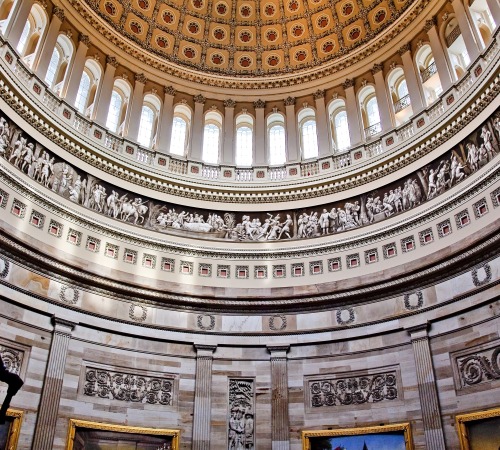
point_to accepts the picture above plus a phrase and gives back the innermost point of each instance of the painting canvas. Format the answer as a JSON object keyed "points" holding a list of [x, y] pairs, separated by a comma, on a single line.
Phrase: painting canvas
{"points": [[9, 431], [479, 430], [388, 437], [84, 435]]}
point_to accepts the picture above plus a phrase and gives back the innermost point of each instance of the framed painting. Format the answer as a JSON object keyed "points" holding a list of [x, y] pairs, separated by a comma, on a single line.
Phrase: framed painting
{"points": [[384, 437], [479, 430], [9, 431], [86, 435]]}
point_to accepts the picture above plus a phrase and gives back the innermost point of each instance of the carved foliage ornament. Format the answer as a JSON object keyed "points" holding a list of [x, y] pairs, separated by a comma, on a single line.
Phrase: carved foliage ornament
{"points": [[4, 268], [84, 39], [353, 390], [479, 368], [476, 275], [128, 387], [12, 359]]}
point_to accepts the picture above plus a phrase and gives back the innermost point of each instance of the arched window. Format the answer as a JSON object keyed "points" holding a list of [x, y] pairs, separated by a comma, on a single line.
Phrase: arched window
{"points": [[308, 135], [5, 14], [30, 39], [180, 130], [53, 66], [339, 127], [400, 96], [23, 40], [58, 66], [244, 140], [83, 93], [276, 139], [149, 120], [211, 137], [429, 76], [118, 106], [483, 20], [457, 51], [369, 111]]}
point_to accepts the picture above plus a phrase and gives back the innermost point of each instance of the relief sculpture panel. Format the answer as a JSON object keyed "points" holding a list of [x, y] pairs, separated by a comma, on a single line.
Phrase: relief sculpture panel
{"points": [[241, 435], [479, 367]]}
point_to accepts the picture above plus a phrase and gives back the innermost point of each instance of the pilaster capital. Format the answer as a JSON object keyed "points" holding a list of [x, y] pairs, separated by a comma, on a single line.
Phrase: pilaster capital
{"points": [[58, 12], [290, 101], [404, 48], [259, 104], [140, 78], [320, 93], [204, 350], [348, 83], [377, 68], [278, 351], [229, 103], [84, 39], [199, 99], [169, 90], [62, 326], [112, 61], [418, 332], [429, 23]]}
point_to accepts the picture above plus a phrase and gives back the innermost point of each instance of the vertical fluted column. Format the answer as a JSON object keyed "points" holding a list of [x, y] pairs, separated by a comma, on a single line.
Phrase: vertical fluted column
{"points": [[42, 63], [76, 68], [494, 8], [292, 147], [322, 124], [202, 397], [166, 120], [228, 156], [280, 426], [465, 29], [19, 16], [384, 109], [438, 53], [198, 124], [352, 110], [104, 100], [133, 120], [260, 158], [412, 81], [429, 402], [51, 392]]}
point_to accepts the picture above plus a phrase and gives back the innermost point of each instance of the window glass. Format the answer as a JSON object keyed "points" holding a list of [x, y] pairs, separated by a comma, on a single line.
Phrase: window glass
{"points": [[24, 38], [309, 139], [83, 93], [277, 145], [244, 146], [343, 139], [372, 112], [211, 144], [53, 66], [114, 112], [178, 141], [146, 126]]}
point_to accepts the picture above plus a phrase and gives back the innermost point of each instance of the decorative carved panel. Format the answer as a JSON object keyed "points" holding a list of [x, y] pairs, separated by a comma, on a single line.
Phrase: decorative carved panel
{"points": [[241, 433], [128, 387], [12, 358], [480, 366], [345, 389]]}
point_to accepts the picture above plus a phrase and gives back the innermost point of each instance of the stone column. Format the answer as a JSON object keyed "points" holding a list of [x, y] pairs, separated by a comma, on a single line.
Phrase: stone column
{"points": [[322, 124], [438, 53], [280, 426], [198, 124], [134, 118], [465, 29], [261, 158], [166, 120], [45, 55], [292, 147], [203, 397], [494, 7], [228, 156], [104, 100], [384, 108], [52, 387], [352, 110], [76, 69], [17, 22], [412, 82], [429, 402]]}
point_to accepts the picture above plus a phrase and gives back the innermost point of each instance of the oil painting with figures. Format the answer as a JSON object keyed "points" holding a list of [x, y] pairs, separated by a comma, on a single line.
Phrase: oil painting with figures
{"points": [[479, 430], [388, 437], [9, 431]]}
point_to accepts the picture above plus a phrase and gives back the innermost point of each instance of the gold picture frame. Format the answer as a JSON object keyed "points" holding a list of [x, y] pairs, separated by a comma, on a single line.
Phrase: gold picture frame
{"points": [[15, 418], [463, 422], [75, 424], [399, 431]]}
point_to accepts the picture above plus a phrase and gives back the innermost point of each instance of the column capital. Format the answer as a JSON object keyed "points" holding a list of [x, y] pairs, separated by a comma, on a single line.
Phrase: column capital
{"points": [[419, 331], [278, 351], [141, 78], [62, 325], [204, 349], [199, 99], [404, 48], [229, 103], [320, 93], [112, 61], [290, 101], [348, 83], [58, 12], [377, 68], [259, 104], [169, 90], [429, 23], [84, 39]]}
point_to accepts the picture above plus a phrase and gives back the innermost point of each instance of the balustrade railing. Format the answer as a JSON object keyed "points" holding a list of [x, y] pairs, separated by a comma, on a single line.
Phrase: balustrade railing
{"points": [[402, 103], [276, 173], [373, 130], [244, 175], [465, 84], [427, 73], [374, 149], [406, 132], [309, 169], [436, 110], [342, 160], [145, 156], [453, 36], [112, 142], [210, 172], [177, 166], [51, 101], [22, 73], [81, 124]]}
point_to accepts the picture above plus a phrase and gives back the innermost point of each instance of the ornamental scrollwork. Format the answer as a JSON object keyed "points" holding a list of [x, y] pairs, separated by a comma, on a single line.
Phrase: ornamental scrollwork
{"points": [[353, 390], [12, 359], [480, 367], [128, 387]]}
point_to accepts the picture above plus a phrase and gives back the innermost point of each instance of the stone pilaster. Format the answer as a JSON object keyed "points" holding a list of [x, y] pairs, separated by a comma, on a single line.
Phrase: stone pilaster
{"points": [[76, 69], [427, 390], [52, 387], [280, 427], [202, 397]]}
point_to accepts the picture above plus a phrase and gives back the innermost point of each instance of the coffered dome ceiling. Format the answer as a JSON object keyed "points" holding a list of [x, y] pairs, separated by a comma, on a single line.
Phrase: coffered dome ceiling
{"points": [[248, 37]]}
